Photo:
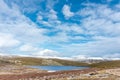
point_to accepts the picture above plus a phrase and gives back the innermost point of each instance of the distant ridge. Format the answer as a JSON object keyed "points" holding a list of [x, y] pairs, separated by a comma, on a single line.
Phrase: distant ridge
{"points": [[17, 60]]}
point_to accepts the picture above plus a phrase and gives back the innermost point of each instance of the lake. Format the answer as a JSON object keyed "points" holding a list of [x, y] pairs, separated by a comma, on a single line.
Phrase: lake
{"points": [[59, 68]]}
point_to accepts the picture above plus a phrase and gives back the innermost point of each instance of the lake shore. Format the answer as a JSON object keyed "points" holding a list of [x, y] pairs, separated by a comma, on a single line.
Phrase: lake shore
{"points": [[12, 72]]}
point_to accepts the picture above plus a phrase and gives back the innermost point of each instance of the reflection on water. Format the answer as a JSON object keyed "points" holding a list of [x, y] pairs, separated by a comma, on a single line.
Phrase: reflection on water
{"points": [[59, 68]]}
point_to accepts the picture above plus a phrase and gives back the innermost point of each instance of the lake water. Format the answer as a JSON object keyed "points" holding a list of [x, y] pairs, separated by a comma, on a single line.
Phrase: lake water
{"points": [[59, 68]]}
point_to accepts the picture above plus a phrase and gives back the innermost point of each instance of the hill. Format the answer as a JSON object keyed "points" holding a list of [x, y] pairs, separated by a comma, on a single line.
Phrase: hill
{"points": [[4, 62], [107, 64], [60, 62], [45, 61]]}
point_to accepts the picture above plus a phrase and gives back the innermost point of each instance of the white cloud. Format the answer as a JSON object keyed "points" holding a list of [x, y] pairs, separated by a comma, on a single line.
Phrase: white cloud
{"points": [[8, 40], [19, 25], [16, 28], [77, 57], [39, 17], [50, 3], [65, 32], [101, 20], [115, 55], [99, 47], [46, 53], [108, 13], [100, 24], [66, 11], [75, 28], [86, 57], [52, 14], [28, 48], [27, 6]]}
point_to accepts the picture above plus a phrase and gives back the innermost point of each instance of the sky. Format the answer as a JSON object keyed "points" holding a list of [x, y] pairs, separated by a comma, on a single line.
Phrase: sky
{"points": [[60, 28]]}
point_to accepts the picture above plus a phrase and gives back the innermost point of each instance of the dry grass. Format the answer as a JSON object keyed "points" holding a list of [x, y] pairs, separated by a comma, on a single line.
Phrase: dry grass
{"points": [[43, 61], [107, 64]]}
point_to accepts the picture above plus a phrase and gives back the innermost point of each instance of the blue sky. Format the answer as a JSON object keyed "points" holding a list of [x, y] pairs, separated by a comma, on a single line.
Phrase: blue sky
{"points": [[60, 28]]}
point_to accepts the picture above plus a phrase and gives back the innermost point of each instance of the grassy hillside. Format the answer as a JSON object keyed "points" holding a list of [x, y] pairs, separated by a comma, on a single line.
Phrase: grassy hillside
{"points": [[4, 62], [70, 63], [43, 61], [27, 60], [107, 64]]}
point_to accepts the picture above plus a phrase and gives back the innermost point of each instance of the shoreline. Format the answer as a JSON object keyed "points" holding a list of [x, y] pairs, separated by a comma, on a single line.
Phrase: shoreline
{"points": [[43, 75], [26, 73]]}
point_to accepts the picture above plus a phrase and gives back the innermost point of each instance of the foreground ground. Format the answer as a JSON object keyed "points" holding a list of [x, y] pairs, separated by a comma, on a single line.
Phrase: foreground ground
{"points": [[13, 72]]}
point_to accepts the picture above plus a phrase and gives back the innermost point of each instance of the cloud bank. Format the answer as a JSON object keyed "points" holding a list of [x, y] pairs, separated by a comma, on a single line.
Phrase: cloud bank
{"points": [[52, 28]]}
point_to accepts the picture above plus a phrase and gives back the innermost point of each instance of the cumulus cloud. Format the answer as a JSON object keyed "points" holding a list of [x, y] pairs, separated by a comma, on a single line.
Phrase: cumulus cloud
{"points": [[46, 53], [19, 25], [100, 47], [16, 28], [38, 52], [53, 14], [48, 18], [8, 40], [66, 11], [28, 48], [39, 17], [96, 32], [65, 33]]}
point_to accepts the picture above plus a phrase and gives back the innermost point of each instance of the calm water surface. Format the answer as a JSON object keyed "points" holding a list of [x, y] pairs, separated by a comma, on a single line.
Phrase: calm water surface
{"points": [[59, 68]]}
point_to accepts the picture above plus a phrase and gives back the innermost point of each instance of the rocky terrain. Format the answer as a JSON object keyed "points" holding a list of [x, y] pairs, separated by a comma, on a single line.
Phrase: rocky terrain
{"points": [[12, 72], [16, 68]]}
